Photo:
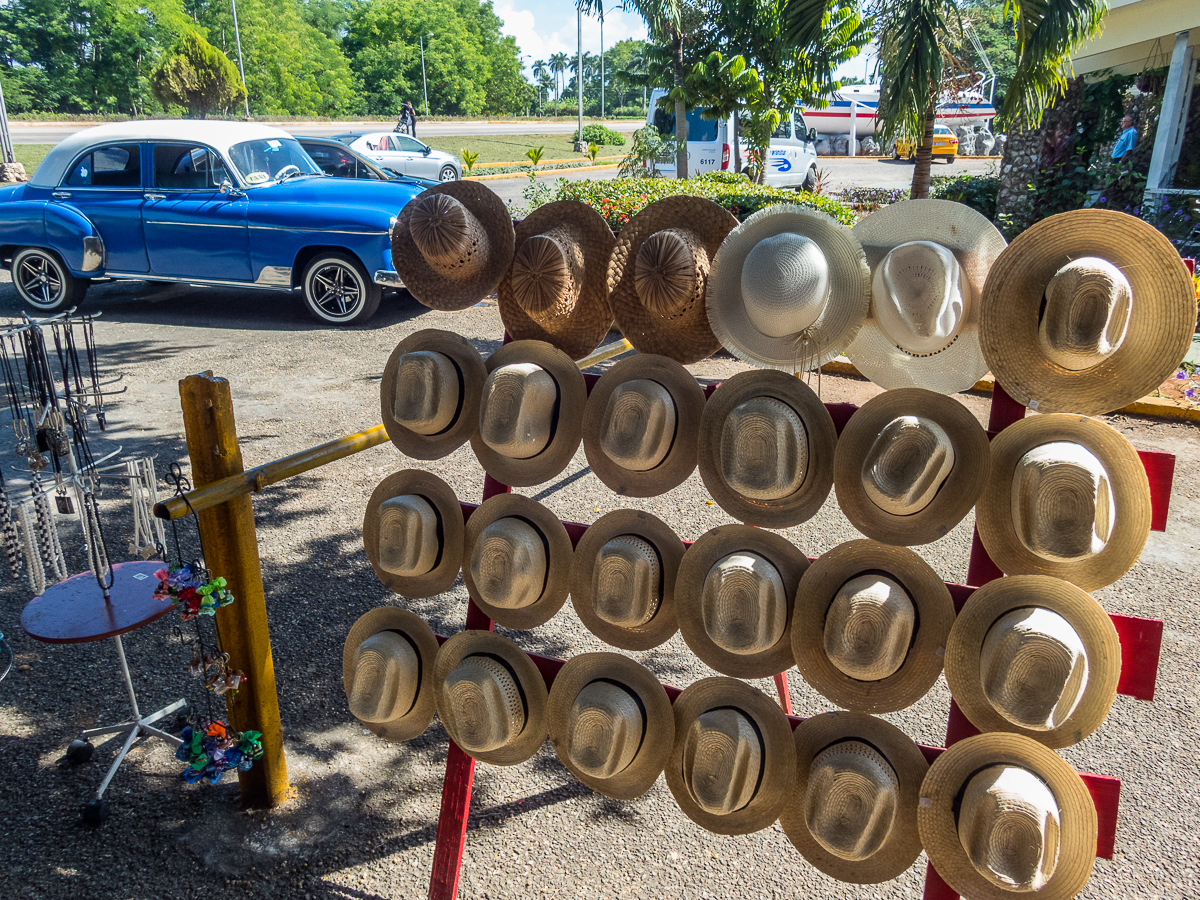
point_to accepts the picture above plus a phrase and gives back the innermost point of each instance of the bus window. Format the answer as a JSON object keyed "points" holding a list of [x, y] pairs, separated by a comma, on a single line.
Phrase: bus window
{"points": [[801, 128], [699, 128], [784, 130], [664, 122]]}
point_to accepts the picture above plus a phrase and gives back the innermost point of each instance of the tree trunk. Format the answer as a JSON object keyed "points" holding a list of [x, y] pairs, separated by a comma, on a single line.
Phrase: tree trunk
{"points": [[681, 124], [924, 160], [1018, 171]]}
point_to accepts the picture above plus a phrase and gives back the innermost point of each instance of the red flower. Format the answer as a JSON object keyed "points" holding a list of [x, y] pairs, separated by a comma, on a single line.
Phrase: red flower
{"points": [[188, 594]]}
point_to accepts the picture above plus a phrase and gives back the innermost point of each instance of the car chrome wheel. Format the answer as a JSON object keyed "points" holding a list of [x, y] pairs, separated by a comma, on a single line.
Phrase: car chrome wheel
{"points": [[43, 281], [448, 174], [337, 291]]}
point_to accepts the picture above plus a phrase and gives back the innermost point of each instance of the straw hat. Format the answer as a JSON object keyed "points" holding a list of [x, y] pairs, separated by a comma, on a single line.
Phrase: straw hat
{"points": [[1067, 496], [530, 414], [909, 466], [413, 533], [1118, 316], [491, 697], [929, 261], [623, 579], [611, 724], [516, 561], [870, 626], [640, 425], [734, 595], [733, 764], [452, 244], [386, 662], [853, 814], [789, 289], [429, 396], [1036, 656], [766, 449], [557, 288], [658, 274], [1001, 815]]}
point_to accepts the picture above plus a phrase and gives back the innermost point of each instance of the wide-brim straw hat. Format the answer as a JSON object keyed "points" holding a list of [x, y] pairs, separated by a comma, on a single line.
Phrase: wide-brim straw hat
{"points": [[523, 677], [626, 719], [938, 812], [902, 843], [682, 332], [841, 313], [691, 601], [1089, 621], [959, 489], [1161, 318], [934, 616], [432, 534], [398, 676], [557, 287], [771, 737], [630, 565], [565, 425], [644, 424], [537, 538], [976, 243], [440, 404], [464, 220], [1130, 510], [809, 494]]}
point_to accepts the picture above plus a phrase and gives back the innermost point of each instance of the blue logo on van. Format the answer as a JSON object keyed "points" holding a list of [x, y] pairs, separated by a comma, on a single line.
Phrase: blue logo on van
{"points": [[782, 164]]}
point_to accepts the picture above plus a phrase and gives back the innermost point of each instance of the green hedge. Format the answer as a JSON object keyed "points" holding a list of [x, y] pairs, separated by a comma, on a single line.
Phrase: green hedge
{"points": [[598, 134]]}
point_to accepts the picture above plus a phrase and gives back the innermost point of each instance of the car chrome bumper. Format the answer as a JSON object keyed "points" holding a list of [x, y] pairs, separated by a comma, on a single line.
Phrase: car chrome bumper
{"points": [[388, 278]]}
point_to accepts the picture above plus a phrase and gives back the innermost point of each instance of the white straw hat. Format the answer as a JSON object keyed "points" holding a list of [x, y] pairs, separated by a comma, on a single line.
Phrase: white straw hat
{"points": [[386, 664], [413, 533]]}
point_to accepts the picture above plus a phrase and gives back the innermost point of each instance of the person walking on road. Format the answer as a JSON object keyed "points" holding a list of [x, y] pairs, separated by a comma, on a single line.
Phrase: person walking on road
{"points": [[1125, 142], [412, 118]]}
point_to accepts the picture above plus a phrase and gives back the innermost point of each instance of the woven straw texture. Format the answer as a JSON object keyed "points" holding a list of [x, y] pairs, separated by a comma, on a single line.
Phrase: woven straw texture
{"points": [[407, 723], [448, 554]]}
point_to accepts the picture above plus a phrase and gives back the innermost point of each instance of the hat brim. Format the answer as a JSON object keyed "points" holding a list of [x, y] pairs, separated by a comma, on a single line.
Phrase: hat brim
{"points": [[1126, 476], [680, 460], [418, 633], [937, 814], [445, 504], [923, 662]]}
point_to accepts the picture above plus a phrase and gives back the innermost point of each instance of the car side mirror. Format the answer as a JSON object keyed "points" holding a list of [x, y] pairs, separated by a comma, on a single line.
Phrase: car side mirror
{"points": [[427, 150]]}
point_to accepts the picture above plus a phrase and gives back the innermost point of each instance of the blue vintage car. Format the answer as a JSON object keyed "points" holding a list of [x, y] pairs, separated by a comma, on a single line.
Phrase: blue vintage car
{"points": [[201, 202]]}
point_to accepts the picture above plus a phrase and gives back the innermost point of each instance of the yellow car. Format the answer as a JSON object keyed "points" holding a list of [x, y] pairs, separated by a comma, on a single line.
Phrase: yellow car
{"points": [[945, 144]]}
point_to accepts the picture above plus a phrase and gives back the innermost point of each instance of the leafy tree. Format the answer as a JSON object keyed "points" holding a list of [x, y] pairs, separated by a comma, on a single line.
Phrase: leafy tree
{"points": [[559, 63], [197, 75], [724, 87]]}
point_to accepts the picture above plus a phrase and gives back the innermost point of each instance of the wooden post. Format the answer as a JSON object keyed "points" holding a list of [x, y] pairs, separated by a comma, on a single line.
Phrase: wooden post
{"points": [[231, 551]]}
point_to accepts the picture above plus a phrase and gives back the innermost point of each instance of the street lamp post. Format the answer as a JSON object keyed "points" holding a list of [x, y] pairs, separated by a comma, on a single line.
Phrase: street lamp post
{"points": [[241, 68], [610, 9], [424, 84], [579, 68]]}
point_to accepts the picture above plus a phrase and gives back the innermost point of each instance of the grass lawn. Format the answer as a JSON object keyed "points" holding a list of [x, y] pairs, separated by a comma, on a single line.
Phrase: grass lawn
{"points": [[510, 148], [31, 155]]}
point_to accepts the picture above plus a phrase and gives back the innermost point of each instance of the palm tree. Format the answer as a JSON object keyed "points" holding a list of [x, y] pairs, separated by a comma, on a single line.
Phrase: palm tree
{"points": [[545, 83], [634, 71], [559, 63], [539, 70]]}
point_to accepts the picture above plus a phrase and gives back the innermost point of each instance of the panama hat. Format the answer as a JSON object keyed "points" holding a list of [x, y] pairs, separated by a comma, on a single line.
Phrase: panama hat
{"points": [[1034, 655], [623, 579], [491, 697], [640, 425], [853, 814], [611, 724], [870, 626], [929, 262], [530, 413], [1066, 496], [909, 466], [734, 595], [516, 561], [386, 664], [789, 289], [429, 395], [766, 449], [557, 287], [413, 533], [658, 274], [1001, 816], [1086, 312], [452, 243]]}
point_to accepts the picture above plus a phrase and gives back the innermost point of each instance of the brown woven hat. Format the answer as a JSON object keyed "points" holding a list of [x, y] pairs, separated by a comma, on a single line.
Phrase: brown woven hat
{"points": [[429, 396], [1036, 656], [452, 244], [909, 466], [734, 596], [1087, 311], [870, 626], [623, 579], [611, 724], [490, 697], [1067, 496], [530, 413], [658, 274], [854, 811], [766, 449], [557, 287], [641, 424], [386, 664], [516, 561], [1000, 815], [413, 533]]}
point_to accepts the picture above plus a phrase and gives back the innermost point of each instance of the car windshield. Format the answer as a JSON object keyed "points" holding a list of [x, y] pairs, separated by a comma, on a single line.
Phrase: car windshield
{"points": [[271, 159]]}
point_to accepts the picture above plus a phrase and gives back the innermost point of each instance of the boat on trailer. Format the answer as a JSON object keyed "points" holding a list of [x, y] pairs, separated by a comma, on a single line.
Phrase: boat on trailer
{"points": [[856, 103]]}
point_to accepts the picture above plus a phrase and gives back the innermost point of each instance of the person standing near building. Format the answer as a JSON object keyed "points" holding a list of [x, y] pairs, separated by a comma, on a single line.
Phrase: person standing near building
{"points": [[1125, 142]]}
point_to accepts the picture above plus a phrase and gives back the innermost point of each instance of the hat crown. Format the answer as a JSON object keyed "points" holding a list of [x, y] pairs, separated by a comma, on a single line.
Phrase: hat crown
{"points": [[638, 426], [1086, 314], [785, 284], [670, 272], [920, 297], [1009, 824], [409, 538], [547, 272], [1062, 502], [626, 588], [744, 603], [449, 236], [484, 704], [508, 563], [606, 725], [428, 388], [851, 800], [387, 677], [723, 758], [908, 462], [516, 417], [764, 449], [868, 627]]}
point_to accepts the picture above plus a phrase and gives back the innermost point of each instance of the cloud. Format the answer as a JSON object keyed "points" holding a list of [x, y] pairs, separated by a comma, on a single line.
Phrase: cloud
{"points": [[548, 27]]}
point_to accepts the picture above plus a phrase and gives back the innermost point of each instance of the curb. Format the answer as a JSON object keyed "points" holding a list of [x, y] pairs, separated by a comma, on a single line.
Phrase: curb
{"points": [[526, 174]]}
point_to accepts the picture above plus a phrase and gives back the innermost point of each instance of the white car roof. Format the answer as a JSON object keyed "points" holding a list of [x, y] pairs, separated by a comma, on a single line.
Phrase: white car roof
{"points": [[377, 134]]}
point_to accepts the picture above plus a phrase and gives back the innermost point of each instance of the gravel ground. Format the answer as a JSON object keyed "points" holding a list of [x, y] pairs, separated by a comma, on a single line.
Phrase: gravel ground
{"points": [[362, 820]]}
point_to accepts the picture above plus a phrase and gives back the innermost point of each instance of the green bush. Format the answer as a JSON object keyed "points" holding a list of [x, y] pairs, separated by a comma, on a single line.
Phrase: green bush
{"points": [[977, 191], [598, 134]]}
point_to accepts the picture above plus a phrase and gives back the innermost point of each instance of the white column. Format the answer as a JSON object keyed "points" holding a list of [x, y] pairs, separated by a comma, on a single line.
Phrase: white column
{"points": [[853, 127], [1171, 123]]}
